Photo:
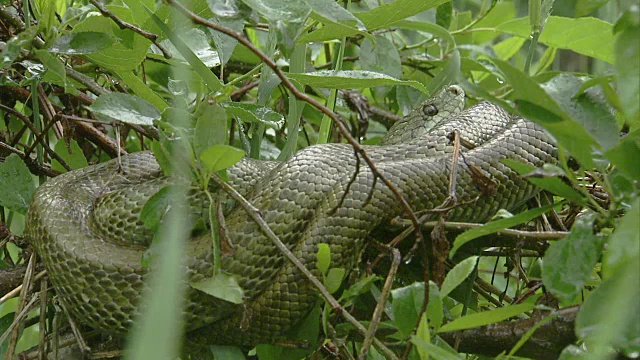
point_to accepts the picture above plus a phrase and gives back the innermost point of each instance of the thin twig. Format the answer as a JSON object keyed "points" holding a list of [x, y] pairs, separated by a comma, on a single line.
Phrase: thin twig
{"points": [[18, 288], [520, 235], [396, 257], [125, 25], [39, 136], [254, 213]]}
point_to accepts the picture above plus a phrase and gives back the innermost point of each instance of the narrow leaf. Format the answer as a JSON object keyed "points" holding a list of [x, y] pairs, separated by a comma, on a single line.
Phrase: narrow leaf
{"points": [[494, 226], [486, 317]]}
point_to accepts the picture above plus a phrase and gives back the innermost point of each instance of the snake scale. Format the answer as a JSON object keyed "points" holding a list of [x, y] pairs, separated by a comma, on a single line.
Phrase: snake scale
{"points": [[315, 197]]}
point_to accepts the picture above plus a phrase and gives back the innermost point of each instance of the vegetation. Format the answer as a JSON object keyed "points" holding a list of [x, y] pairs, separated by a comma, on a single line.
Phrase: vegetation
{"points": [[204, 83]]}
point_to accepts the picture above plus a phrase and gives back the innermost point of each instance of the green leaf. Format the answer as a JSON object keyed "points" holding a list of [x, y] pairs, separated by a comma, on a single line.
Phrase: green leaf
{"points": [[587, 36], [250, 113], [333, 279], [486, 317], [221, 286], [624, 245], [360, 287], [424, 334], [141, 89], [508, 48], [610, 316], [627, 67], [625, 155], [568, 263], [196, 40], [55, 69], [381, 57], [209, 78], [211, 127], [546, 181], [280, 10], [227, 352], [494, 226], [457, 275], [435, 351], [351, 79], [406, 305], [79, 43], [17, 185], [588, 108], [537, 105], [387, 14], [323, 258], [71, 154], [337, 22], [126, 108], [126, 52], [155, 209], [219, 157], [434, 307]]}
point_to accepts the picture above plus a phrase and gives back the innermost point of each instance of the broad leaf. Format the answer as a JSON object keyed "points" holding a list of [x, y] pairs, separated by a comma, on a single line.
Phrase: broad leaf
{"points": [[17, 185], [457, 275], [569, 262], [128, 109], [219, 157], [221, 286], [79, 43], [587, 36]]}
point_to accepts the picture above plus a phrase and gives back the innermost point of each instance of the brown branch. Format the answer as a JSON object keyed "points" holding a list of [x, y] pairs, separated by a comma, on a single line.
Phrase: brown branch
{"points": [[337, 120], [33, 166], [125, 25], [510, 234], [396, 257], [39, 136], [546, 343]]}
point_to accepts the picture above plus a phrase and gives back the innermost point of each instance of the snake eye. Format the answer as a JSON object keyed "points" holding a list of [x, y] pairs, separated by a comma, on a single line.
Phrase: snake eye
{"points": [[430, 110]]}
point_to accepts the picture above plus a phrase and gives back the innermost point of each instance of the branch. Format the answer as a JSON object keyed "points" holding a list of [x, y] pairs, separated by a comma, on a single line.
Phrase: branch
{"points": [[125, 25], [546, 342]]}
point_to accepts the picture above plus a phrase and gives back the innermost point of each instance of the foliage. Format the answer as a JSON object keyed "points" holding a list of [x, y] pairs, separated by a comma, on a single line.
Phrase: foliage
{"points": [[84, 80]]}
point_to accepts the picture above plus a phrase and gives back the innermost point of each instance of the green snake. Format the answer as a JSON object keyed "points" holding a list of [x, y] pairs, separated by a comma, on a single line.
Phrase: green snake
{"points": [[81, 223]]}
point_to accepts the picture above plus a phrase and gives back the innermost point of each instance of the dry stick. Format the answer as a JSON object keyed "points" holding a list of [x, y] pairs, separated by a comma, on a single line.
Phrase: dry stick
{"points": [[386, 289], [125, 25], [15, 325], [520, 235], [337, 120], [43, 318], [21, 309], [254, 213], [33, 129], [84, 348], [18, 288], [31, 164]]}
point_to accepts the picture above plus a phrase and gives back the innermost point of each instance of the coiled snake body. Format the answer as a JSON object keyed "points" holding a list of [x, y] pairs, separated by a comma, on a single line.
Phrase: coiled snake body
{"points": [[315, 197]]}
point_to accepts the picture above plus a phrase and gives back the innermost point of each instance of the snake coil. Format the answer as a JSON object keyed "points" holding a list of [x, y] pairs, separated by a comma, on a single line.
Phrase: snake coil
{"points": [[317, 196]]}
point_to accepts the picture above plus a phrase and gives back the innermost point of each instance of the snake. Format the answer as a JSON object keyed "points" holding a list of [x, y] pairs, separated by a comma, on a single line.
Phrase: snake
{"points": [[85, 224]]}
